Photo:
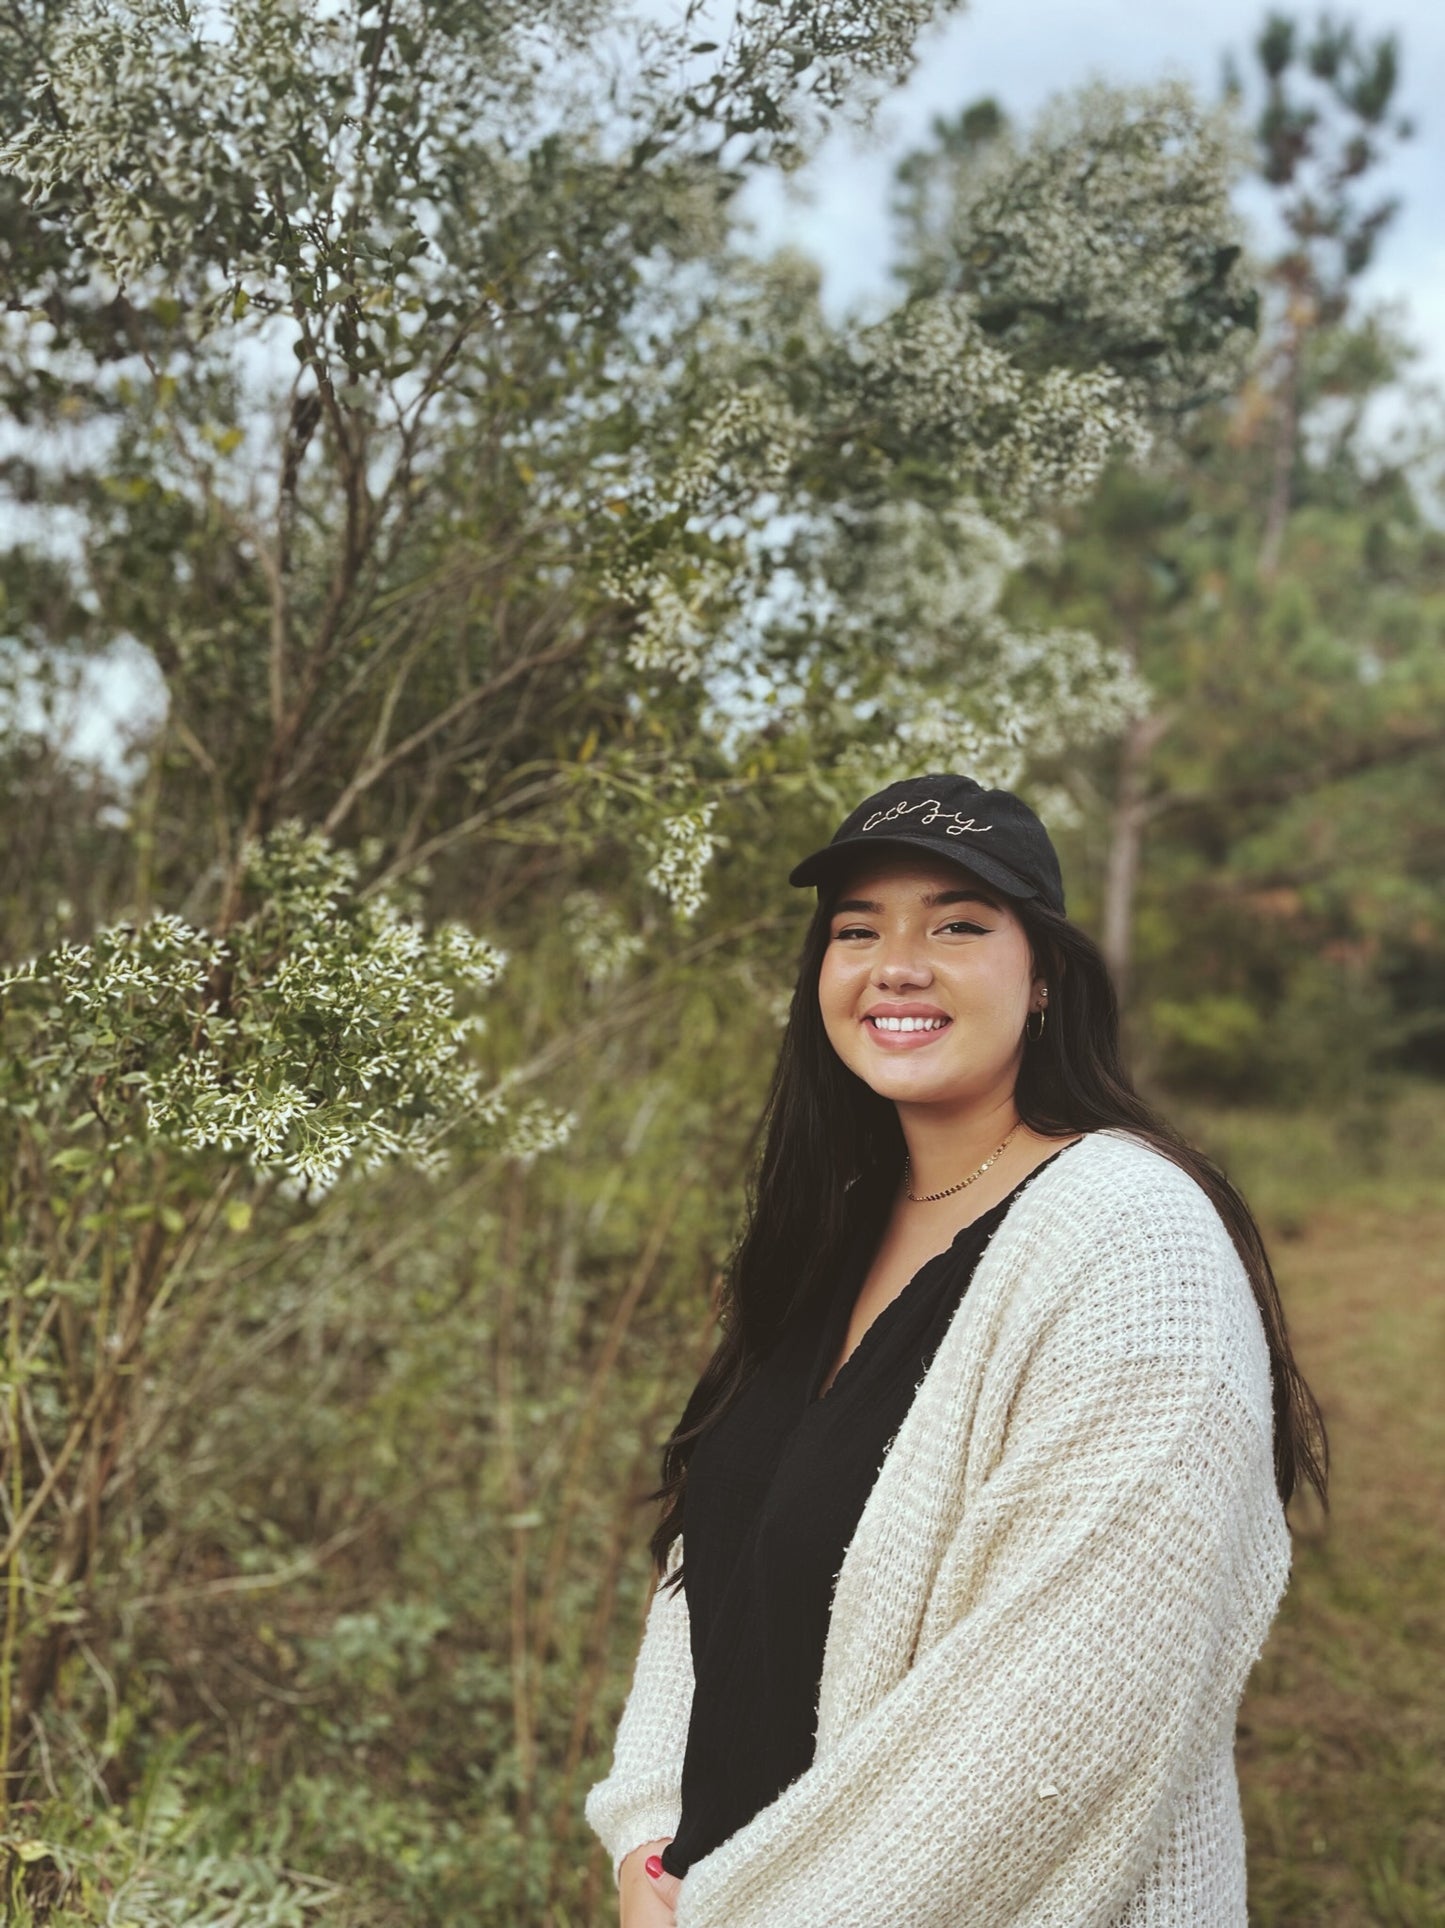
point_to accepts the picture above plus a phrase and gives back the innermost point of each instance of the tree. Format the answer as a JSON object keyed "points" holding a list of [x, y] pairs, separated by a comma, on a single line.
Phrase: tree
{"points": [[1323, 125]]}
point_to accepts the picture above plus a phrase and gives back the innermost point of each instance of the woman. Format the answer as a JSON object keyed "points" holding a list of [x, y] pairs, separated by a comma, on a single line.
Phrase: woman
{"points": [[984, 1485]]}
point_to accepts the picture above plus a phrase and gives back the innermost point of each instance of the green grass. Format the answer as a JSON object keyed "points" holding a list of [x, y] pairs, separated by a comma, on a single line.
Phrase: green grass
{"points": [[1387, 1151], [1342, 1732]]}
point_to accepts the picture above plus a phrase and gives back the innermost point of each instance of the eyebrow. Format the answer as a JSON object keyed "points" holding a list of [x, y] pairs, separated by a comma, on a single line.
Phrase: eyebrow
{"points": [[932, 901]]}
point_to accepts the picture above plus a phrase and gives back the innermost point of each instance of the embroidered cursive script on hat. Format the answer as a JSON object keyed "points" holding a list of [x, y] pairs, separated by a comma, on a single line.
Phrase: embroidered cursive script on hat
{"points": [[991, 832]]}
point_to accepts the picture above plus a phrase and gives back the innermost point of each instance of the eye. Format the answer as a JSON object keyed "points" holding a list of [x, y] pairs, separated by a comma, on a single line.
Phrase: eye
{"points": [[960, 925], [852, 930]]}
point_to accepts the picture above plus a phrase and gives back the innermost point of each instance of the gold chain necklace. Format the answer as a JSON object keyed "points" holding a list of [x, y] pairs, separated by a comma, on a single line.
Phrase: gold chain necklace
{"points": [[927, 1198]]}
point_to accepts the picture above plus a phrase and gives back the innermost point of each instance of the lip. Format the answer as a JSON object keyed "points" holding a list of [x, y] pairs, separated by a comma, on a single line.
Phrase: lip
{"points": [[905, 1040]]}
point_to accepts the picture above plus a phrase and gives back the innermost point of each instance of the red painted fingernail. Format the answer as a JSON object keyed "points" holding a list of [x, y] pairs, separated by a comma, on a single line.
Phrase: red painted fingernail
{"points": [[653, 1865]]}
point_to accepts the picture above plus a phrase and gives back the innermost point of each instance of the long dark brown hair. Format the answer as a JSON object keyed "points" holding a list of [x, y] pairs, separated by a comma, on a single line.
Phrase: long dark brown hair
{"points": [[833, 1153]]}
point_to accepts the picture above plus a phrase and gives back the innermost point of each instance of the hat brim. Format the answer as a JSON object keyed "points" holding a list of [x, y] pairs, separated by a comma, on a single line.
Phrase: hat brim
{"points": [[824, 865]]}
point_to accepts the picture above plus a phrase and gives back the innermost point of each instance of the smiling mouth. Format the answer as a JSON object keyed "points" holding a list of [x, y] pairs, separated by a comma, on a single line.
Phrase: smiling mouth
{"points": [[910, 1031]]}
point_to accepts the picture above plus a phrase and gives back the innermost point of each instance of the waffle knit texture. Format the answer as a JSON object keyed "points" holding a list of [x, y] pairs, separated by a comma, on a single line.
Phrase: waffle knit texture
{"points": [[1043, 1624]]}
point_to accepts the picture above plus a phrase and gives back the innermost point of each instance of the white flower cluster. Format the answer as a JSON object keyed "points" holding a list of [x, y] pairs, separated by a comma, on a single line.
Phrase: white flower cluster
{"points": [[322, 1031], [745, 442], [162, 122], [934, 573], [945, 735], [738, 458], [170, 128], [1030, 694], [604, 945], [683, 851], [535, 1128], [1068, 429], [1078, 688], [954, 684], [299, 871], [679, 613], [929, 733], [163, 960], [1110, 218], [459, 953], [840, 48], [1056, 807], [1027, 439]]}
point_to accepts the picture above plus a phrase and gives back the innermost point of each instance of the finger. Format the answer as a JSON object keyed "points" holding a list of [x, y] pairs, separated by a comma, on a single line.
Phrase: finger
{"points": [[664, 1884]]}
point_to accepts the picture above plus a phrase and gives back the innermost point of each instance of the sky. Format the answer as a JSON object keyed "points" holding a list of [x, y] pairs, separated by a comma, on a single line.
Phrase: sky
{"points": [[1025, 51]]}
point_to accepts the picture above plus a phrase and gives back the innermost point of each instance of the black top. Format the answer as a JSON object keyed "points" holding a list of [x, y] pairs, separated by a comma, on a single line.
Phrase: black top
{"points": [[774, 1493]]}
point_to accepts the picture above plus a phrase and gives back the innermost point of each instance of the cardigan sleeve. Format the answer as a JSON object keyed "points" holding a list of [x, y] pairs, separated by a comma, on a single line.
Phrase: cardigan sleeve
{"points": [[640, 1798], [1115, 1573]]}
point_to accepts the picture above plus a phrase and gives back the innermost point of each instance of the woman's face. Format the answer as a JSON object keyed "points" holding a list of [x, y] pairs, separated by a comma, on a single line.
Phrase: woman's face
{"points": [[923, 939]]}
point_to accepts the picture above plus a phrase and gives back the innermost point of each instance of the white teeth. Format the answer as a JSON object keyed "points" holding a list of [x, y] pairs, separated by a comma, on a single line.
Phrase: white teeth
{"points": [[909, 1024]]}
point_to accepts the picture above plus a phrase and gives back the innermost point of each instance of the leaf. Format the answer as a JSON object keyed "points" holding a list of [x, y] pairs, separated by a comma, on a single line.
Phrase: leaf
{"points": [[238, 1214], [75, 1158]]}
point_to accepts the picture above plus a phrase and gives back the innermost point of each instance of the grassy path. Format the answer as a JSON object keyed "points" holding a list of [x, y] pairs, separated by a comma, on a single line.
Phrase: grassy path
{"points": [[1342, 1733]]}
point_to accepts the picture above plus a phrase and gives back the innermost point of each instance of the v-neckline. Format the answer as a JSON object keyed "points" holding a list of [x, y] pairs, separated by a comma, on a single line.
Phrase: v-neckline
{"points": [[833, 1337], [829, 1340]]}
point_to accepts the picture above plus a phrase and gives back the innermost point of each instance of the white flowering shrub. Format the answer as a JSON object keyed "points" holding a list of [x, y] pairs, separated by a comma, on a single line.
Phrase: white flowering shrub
{"points": [[1073, 287], [333, 389], [939, 677], [324, 1030], [681, 854], [677, 612], [746, 441], [1030, 439], [186, 127], [158, 1084], [1103, 238]]}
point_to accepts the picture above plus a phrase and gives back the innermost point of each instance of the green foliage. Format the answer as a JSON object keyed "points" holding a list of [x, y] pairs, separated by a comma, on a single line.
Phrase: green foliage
{"points": [[156, 1866], [1210, 1040], [320, 1029]]}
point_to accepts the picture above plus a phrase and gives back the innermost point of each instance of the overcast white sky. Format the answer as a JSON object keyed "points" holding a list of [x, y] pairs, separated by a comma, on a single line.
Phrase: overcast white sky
{"points": [[1023, 51]]}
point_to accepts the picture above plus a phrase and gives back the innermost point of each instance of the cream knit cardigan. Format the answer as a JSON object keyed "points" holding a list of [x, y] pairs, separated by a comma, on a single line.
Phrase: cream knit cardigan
{"points": [[1044, 1621]]}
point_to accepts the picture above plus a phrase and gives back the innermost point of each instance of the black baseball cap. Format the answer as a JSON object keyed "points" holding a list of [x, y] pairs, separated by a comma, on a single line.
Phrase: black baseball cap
{"points": [[990, 832]]}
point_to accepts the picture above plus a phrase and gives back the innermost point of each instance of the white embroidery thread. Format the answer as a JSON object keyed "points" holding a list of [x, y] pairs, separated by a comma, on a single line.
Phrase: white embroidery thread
{"points": [[935, 812]]}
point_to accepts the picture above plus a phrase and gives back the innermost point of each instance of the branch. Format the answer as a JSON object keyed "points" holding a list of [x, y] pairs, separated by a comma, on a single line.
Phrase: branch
{"points": [[459, 832], [369, 775]]}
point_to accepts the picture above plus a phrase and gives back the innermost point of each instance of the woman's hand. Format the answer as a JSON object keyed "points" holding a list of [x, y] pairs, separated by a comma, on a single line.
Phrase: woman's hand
{"points": [[647, 1901]]}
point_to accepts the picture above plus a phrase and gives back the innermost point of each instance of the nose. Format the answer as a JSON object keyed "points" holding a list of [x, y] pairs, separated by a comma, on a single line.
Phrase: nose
{"points": [[899, 964]]}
